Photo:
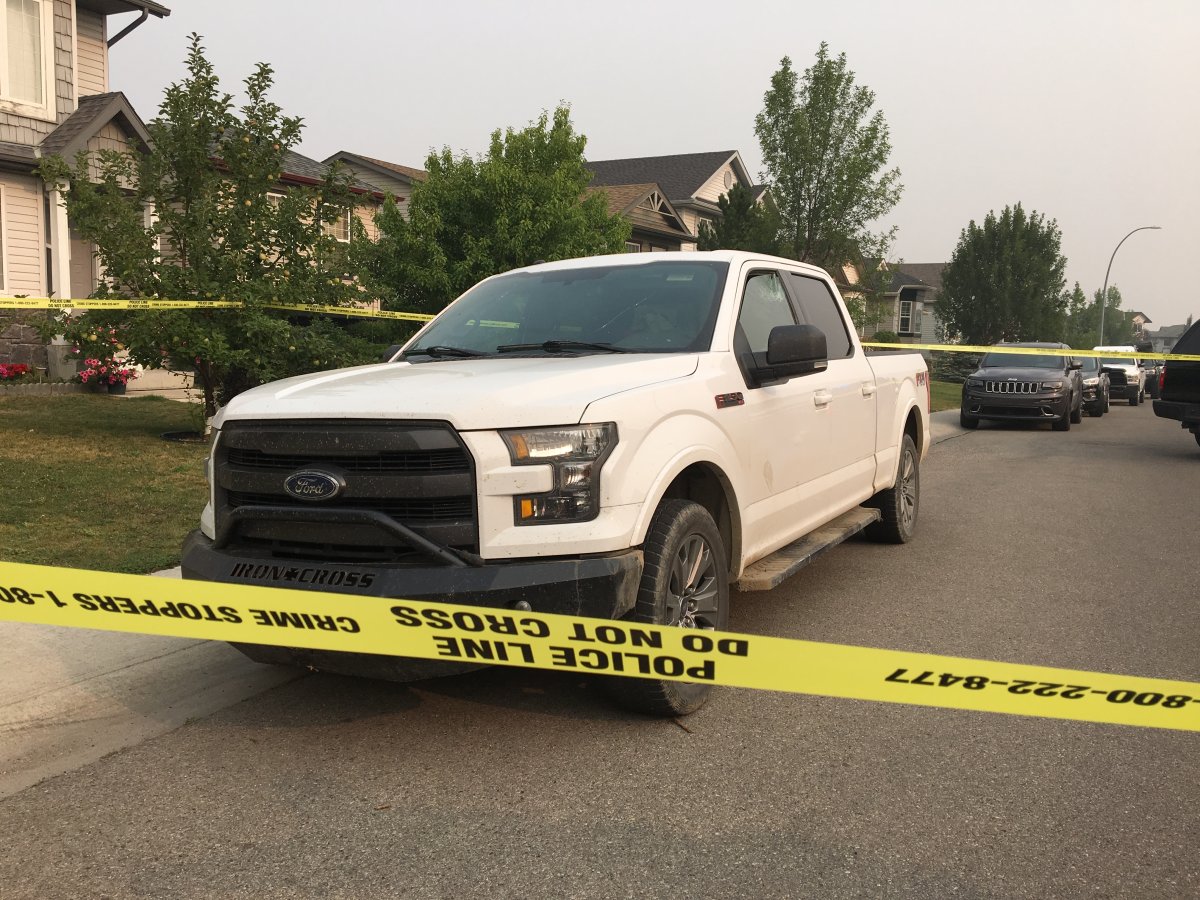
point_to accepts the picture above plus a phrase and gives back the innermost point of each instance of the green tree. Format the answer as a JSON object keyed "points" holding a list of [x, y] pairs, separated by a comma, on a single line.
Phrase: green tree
{"points": [[1079, 330], [745, 224], [1118, 323], [522, 201], [199, 216], [1005, 280], [825, 155]]}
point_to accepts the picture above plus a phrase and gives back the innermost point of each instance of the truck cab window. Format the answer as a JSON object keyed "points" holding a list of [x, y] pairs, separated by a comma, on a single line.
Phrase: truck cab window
{"points": [[764, 305], [819, 308]]}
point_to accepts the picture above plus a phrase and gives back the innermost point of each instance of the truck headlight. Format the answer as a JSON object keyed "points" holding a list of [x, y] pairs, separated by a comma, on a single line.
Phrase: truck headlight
{"points": [[1091, 382], [576, 453], [1052, 385]]}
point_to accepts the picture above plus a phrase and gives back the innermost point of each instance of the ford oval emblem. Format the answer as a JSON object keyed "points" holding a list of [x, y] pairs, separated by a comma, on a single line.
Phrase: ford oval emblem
{"points": [[313, 485]]}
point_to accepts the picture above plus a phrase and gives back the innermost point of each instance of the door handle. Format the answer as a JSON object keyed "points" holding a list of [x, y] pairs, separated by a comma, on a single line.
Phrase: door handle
{"points": [[869, 388], [822, 398]]}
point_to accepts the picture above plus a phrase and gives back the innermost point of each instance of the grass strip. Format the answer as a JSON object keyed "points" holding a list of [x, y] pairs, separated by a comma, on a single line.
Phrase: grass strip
{"points": [[88, 482]]}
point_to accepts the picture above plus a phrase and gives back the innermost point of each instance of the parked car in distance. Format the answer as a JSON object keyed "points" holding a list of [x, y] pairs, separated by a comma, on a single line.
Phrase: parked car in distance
{"points": [[1025, 387], [1127, 379], [1151, 370], [1180, 385], [1095, 386]]}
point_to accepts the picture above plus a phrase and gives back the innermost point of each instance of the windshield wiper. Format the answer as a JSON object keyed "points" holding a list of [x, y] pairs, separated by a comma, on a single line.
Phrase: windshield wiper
{"points": [[555, 346], [439, 351]]}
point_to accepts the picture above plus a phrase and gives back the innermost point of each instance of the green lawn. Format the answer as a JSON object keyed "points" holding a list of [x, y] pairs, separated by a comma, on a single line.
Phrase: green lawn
{"points": [[88, 482], [944, 395]]}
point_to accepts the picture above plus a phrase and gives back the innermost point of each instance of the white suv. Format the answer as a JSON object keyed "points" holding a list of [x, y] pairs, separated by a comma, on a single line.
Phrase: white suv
{"points": [[1126, 376]]}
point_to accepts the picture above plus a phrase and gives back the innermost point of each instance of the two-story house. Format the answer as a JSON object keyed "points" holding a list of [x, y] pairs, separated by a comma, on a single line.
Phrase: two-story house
{"points": [[54, 99], [689, 183]]}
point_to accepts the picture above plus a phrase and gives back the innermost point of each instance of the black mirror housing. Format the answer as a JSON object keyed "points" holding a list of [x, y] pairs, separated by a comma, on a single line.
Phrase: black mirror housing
{"points": [[792, 350]]}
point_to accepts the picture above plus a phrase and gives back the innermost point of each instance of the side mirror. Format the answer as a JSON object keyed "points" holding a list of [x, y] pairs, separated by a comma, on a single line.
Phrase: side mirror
{"points": [[1075, 364], [390, 352], [792, 350]]}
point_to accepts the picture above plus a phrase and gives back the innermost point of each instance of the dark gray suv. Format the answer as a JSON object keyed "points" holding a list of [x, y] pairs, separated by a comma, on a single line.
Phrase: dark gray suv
{"points": [[1023, 387]]}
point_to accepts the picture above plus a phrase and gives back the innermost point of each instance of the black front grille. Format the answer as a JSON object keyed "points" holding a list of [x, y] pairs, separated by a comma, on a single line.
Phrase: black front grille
{"points": [[451, 460], [419, 474]]}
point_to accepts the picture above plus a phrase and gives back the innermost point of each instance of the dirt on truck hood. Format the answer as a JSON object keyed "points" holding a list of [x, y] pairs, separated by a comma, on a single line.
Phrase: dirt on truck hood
{"points": [[470, 394]]}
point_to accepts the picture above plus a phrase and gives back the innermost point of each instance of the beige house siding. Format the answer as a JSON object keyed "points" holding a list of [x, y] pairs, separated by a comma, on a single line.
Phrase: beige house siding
{"points": [[93, 53], [23, 235], [712, 189], [64, 61], [401, 189], [366, 215], [110, 137]]}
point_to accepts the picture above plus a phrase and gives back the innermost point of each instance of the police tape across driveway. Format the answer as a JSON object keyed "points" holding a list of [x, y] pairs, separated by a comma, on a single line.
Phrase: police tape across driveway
{"points": [[354, 312], [438, 631]]}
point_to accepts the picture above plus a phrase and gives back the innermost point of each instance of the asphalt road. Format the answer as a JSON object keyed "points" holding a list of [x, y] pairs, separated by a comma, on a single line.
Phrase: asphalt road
{"points": [[1075, 550]]}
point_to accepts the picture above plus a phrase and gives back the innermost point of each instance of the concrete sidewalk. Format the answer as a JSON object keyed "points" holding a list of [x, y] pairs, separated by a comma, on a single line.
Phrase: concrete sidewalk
{"points": [[944, 425], [70, 696]]}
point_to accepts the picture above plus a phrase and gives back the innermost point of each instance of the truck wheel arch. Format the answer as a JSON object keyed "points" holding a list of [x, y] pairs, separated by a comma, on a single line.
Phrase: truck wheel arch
{"points": [[705, 483]]}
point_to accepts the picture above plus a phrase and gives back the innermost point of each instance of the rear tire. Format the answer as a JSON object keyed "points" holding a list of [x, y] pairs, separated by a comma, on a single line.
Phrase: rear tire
{"points": [[685, 582], [899, 504]]}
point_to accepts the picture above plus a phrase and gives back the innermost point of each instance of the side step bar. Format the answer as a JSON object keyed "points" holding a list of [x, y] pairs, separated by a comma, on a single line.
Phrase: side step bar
{"points": [[770, 571]]}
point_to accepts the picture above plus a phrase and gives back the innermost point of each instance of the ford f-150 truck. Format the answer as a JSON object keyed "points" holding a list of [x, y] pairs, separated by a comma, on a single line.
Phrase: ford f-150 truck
{"points": [[623, 436]]}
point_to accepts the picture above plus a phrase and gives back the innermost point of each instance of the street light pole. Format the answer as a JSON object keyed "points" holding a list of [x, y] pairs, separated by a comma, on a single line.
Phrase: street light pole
{"points": [[1104, 290]]}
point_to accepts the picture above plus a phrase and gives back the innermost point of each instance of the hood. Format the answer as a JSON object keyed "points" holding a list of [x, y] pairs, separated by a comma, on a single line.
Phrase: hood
{"points": [[470, 394], [1018, 373]]}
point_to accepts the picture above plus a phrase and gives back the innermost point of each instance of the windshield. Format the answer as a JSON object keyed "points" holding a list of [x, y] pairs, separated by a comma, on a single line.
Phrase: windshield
{"points": [[1090, 364], [1111, 361], [659, 307], [1022, 361]]}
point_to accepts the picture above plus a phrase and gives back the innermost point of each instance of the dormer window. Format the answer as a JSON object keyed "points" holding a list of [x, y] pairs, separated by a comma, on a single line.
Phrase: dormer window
{"points": [[27, 73]]}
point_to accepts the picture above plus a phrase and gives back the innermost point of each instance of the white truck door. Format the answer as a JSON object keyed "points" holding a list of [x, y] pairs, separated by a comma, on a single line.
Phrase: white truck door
{"points": [[782, 431], [854, 396]]}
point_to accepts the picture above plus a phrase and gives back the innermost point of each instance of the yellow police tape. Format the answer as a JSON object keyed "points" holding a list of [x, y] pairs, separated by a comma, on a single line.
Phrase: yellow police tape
{"points": [[440, 631], [353, 312], [149, 304]]}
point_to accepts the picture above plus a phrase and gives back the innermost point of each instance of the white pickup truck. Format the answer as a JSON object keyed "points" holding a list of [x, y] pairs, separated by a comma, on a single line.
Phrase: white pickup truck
{"points": [[623, 436]]}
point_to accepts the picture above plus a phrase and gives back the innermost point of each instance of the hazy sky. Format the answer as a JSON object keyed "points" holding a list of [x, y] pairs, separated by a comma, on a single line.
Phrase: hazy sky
{"points": [[1084, 111]]}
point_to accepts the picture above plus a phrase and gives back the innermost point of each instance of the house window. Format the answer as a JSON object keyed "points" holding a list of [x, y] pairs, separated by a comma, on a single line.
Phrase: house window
{"points": [[27, 74], [339, 228], [905, 317], [633, 247]]}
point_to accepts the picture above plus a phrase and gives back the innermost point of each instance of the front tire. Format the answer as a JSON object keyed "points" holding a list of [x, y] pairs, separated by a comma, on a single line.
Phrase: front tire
{"points": [[1063, 423], [899, 504], [1077, 414], [1133, 401], [685, 583], [966, 421]]}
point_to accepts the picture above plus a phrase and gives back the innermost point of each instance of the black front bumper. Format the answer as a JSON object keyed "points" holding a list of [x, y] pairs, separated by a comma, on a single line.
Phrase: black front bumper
{"points": [[602, 587], [1020, 407], [1186, 413]]}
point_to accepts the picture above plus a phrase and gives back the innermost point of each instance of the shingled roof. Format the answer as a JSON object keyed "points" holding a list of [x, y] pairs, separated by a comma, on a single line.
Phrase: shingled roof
{"points": [[94, 112], [679, 176], [927, 273]]}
